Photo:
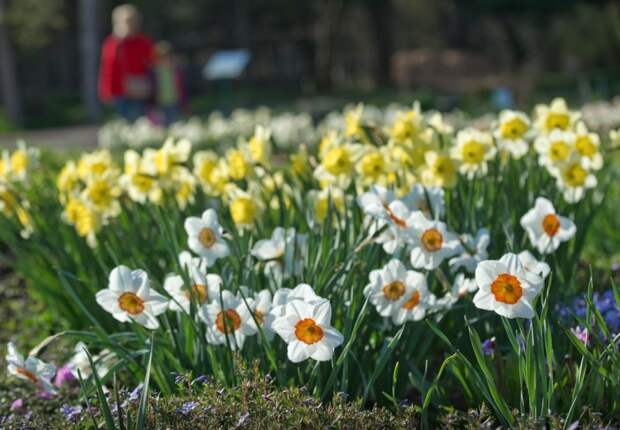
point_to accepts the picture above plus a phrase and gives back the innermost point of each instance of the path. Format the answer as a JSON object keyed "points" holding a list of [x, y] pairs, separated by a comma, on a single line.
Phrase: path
{"points": [[66, 138]]}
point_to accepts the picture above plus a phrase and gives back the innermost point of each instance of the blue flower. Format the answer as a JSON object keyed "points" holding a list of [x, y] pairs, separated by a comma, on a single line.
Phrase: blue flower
{"points": [[488, 346], [187, 407], [71, 413]]}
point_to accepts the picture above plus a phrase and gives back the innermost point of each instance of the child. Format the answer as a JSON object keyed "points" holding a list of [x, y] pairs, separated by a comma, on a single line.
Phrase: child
{"points": [[168, 84]]}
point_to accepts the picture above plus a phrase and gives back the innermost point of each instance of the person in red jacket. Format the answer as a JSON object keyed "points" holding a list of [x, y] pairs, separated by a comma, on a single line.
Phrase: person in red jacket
{"points": [[126, 57]]}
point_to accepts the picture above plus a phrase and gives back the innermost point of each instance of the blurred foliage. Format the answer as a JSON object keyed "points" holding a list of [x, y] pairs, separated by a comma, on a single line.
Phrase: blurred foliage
{"points": [[33, 22]]}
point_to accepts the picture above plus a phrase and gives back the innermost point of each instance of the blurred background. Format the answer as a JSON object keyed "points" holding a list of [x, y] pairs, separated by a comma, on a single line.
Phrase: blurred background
{"points": [[316, 55]]}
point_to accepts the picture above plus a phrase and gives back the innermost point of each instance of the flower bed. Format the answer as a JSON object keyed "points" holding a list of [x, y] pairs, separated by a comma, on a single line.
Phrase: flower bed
{"points": [[374, 261]]}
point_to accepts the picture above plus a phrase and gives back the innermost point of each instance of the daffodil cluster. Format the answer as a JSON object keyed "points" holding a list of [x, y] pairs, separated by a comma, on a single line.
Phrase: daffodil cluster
{"points": [[15, 168], [89, 191], [567, 149], [409, 147], [289, 129], [299, 316]]}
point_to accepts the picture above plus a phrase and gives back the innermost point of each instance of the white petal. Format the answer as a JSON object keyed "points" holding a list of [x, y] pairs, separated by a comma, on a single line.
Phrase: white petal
{"points": [[484, 300], [108, 300], [332, 337], [544, 206], [157, 303], [323, 313], [487, 271], [322, 352], [266, 249], [146, 319], [120, 278], [193, 225], [512, 263], [209, 218], [298, 351]]}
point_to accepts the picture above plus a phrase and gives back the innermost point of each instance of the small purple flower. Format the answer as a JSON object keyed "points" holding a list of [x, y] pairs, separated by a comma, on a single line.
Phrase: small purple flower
{"points": [[133, 396], [64, 376], [179, 378], [242, 419], [71, 413], [581, 334], [45, 395], [187, 407], [521, 342], [17, 405], [488, 346], [202, 379]]}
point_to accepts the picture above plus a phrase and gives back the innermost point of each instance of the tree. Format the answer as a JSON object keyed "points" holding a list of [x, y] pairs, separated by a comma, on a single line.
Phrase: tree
{"points": [[8, 79], [89, 51]]}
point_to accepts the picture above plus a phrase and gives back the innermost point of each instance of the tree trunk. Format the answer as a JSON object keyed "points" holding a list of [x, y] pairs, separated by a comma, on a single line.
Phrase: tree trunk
{"points": [[382, 20], [8, 79], [89, 56], [328, 20]]}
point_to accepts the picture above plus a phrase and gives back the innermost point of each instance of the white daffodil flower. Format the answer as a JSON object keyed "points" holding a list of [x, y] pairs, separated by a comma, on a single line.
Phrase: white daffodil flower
{"points": [[474, 251], [429, 200], [506, 288], [260, 306], [546, 229], [534, 266], [205, 237], [283, 296], [307, 330], [431, 242], [397, 292], [512, 133], [473, 150], [284, 254], [130, 298], [30, 369], [205, 287], [228, 321]]}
